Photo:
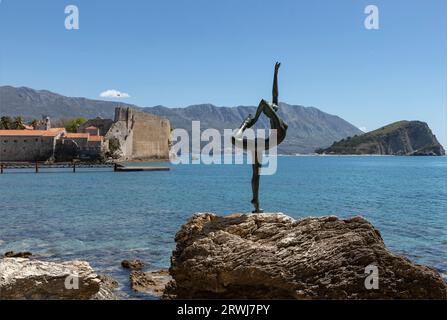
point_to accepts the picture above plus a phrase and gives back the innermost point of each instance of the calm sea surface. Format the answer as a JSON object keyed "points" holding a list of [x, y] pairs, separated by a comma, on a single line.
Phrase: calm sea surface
{"points": [[104, 217]]}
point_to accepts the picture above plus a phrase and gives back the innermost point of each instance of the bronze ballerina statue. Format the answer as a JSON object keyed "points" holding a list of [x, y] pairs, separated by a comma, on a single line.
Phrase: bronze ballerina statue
{"points": [[257, 146]]}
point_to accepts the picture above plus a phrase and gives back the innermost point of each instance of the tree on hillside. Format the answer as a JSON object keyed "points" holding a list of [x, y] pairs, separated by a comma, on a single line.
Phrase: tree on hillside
{"points": [[6, 123], [34, 123], [18, 123], [71, 125]]}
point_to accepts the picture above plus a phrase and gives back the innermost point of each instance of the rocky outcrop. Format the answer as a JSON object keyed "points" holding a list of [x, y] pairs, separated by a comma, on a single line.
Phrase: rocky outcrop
{"points": [[411, 138], [32, 279], [264, 256], [152, 283]]}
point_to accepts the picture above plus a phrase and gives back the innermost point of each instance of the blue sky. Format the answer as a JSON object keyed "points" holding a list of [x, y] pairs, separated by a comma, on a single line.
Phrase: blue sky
{"points": [[177, 53]]}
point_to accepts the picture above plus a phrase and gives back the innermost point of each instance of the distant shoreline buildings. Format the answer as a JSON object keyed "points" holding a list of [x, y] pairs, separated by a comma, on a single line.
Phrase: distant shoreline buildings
{"points": [[52, 144], [132, 135]]}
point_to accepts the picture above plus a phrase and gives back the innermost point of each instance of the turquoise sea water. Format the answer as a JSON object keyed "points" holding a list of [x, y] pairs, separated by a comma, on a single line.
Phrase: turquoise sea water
{"points": [[104, 217]]}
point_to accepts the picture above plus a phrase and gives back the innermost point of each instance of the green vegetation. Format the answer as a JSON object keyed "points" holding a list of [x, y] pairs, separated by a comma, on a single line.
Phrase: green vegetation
{"points": [[114, 144], [389, 128], [7, 123], [71, 125], [398, 138], [114, 148], [350, 143]]}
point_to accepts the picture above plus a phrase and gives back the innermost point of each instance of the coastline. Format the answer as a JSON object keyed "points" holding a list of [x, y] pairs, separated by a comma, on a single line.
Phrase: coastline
{"points": [[356, 155], [207, 270], [107, 229]]}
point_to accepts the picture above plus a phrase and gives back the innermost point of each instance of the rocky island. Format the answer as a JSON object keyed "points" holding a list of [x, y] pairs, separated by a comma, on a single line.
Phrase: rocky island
{"points": [[409, 138]]}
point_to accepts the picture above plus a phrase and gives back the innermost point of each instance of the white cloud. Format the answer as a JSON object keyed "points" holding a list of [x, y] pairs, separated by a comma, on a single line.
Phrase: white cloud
{"points": [[114, 94], [364, 129]]}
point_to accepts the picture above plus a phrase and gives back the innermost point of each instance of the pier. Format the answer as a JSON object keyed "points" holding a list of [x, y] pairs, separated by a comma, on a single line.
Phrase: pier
{"points": [[73, 166], [132, 168]]}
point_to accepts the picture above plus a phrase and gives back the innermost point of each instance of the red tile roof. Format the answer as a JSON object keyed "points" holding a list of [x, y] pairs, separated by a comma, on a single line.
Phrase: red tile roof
{"points": [[54, 131], [95, 138], [49, 133], [77, 135], [83, 136], [32, 133]]}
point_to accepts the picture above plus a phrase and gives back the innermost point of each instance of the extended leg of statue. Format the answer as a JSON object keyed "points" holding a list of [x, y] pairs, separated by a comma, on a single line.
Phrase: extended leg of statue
{"points": [[255, 185]]}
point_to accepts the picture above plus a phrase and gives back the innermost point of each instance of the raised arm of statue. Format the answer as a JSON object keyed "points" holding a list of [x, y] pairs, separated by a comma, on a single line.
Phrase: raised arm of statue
{"points": [[250, 121], [275, 92]]}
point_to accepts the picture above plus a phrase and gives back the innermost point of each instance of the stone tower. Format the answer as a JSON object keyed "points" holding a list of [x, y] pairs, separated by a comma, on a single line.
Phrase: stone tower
{"points": [[141, 135]]}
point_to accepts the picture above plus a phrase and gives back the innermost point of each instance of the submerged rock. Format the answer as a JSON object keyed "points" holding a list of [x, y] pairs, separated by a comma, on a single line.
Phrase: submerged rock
{"points": [[132, 264], [33, 279], [12, 254], [264, 256], [153, 283]]}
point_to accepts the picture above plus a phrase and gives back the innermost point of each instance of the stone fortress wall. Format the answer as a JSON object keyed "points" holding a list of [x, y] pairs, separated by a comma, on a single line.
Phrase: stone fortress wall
{"points": [[26, 148], [141, 136], [151, 135], [122, 130]]}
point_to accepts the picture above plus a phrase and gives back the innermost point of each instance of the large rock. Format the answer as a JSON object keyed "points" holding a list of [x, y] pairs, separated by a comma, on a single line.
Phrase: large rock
{"points": [[274, 256], [32, 279]]}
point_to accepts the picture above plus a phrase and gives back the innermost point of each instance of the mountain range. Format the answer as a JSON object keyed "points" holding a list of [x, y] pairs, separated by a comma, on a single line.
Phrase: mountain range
{"points": [[309, 127]]}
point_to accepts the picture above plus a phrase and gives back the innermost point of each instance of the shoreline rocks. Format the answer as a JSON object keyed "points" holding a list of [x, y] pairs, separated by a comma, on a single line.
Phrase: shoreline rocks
{"points": [[22, 278], [106, 288], [253, 256], [152, 283], [273, 256]]}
